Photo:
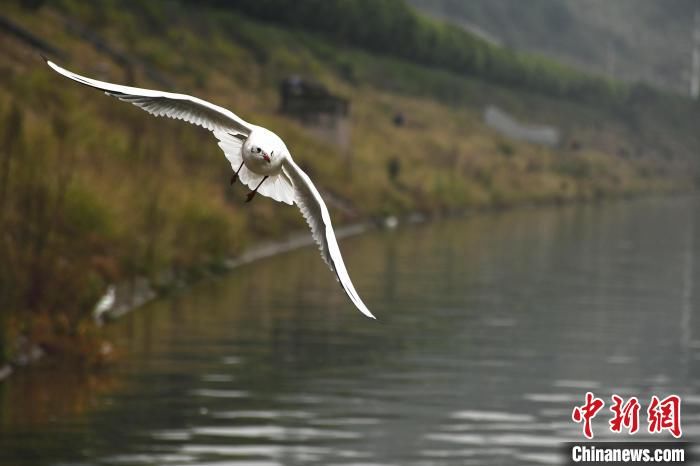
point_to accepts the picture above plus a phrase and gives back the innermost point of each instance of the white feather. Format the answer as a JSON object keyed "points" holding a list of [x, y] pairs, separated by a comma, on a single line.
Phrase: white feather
{"points": [[231, 146], [279, 188], [158, 103], [314, 210]]}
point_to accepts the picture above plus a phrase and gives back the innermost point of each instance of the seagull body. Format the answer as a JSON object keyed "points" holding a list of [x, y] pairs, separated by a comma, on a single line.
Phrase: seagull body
{"points": [[259, 158]]}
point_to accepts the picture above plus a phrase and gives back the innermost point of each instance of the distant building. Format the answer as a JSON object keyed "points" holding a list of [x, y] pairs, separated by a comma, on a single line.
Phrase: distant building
{"points": [[311, 103], [511, 128]]}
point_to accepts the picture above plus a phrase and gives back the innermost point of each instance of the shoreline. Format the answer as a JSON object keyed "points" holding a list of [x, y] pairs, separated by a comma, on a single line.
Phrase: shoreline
{"points": [[125, 297], [140, 291], [130, 295]]}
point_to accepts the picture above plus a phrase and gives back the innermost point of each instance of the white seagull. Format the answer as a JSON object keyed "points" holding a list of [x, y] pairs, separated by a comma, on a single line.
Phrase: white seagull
{"points": [[256, 155]]}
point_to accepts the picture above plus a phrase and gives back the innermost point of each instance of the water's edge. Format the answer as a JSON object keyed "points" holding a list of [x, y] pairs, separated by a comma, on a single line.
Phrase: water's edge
{"points": [[124, 297]]}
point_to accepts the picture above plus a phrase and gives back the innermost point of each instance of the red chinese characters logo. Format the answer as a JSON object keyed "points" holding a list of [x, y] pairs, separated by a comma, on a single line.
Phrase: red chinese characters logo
{"points": [[665, 415], [626, 415], [587, 412], [662, 415]]}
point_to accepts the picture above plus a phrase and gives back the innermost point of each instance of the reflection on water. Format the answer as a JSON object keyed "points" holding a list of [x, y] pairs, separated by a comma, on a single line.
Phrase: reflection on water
{"points": [[490, 330], [38, 397]]}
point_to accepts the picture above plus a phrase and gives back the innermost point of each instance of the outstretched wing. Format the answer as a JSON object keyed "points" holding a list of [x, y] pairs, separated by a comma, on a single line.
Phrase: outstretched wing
{"points": [[228, 127], [178, 106], [316, 214]]}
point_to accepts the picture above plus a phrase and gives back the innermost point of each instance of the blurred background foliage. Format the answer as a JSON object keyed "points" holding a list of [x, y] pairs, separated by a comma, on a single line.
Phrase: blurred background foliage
{"points": [[94, 192], [631, 40]]}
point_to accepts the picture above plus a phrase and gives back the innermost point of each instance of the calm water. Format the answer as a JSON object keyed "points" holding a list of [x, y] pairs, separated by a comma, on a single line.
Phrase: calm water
{"points": [[490, 330]]}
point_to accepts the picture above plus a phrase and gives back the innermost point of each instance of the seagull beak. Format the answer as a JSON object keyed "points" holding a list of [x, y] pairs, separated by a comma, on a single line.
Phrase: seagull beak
{"points": [[266, 157]]}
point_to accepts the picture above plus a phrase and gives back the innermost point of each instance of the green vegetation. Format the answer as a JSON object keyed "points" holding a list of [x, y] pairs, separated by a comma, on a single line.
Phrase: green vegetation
{"points": [[94, 191], [392, 28], [633, 40]]}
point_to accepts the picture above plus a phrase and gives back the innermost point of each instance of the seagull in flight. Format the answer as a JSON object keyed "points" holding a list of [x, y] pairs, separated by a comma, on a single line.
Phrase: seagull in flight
{"points": [[259, 158]]}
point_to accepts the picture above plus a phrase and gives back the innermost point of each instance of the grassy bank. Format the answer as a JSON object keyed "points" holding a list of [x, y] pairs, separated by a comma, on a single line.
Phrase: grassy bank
{"points": [[94, 191]]}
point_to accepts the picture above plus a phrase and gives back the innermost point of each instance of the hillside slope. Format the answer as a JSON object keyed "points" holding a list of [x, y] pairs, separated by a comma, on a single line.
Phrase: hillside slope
{"points": [[94, 191], [634, 40]]}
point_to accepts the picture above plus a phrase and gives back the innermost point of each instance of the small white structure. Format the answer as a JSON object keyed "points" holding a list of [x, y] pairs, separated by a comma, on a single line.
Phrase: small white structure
{"points": [[508, 126]]}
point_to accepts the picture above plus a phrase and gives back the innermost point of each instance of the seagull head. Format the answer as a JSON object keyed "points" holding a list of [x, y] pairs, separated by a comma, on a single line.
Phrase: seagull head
{"points": [[263, 151], [257, 151]]}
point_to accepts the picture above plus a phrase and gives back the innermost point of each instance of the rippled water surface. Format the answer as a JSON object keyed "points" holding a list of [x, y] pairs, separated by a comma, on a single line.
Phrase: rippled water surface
{"points": [[490, 329]]}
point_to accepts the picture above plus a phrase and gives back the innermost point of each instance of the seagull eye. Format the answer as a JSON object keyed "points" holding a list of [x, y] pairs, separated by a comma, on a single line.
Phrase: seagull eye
{"points": [[257, 149]]}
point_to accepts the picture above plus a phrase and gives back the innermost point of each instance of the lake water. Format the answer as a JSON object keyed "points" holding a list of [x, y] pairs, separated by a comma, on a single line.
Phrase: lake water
{"points": [[490, 330]]}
